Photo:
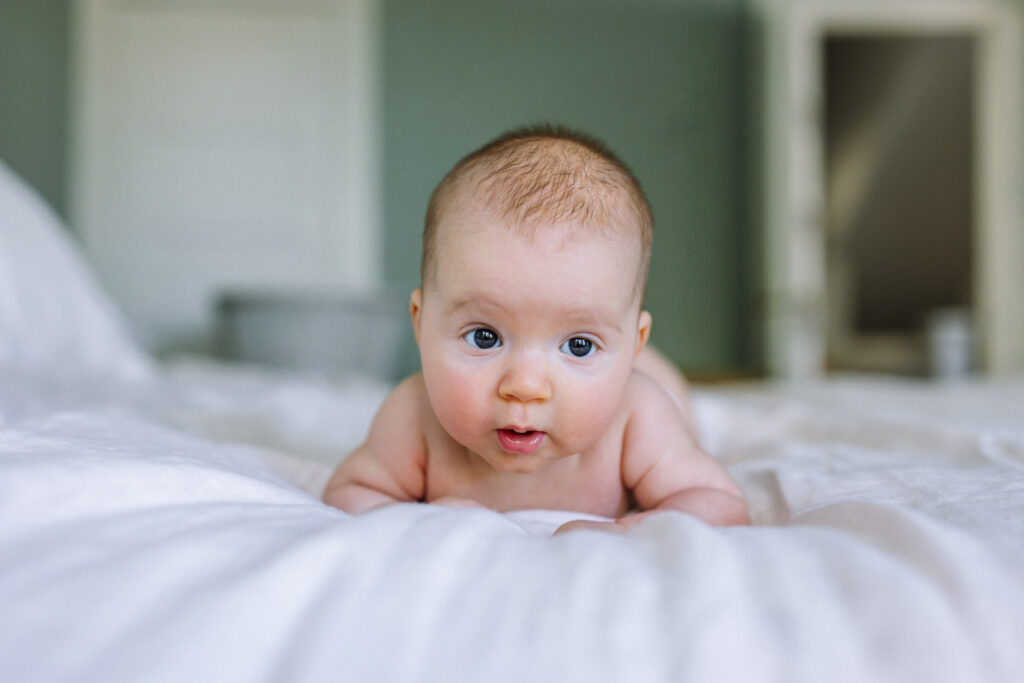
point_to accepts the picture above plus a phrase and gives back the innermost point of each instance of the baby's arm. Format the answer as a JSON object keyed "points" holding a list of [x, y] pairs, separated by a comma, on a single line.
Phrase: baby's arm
{"points": [[666, 469], [390, 466]]}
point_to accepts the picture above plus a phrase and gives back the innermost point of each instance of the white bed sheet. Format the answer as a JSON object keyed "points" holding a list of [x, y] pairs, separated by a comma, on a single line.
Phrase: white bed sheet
{"points": [[164, 524], [169, 529]]}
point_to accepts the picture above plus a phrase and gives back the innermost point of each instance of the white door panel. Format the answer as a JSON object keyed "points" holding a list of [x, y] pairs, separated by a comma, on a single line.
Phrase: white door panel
{"points": [[223, 144]]}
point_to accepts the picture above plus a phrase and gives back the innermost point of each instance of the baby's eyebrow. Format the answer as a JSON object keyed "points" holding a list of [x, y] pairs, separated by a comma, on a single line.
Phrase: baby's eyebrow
{"points": [[591, 318], [473, 302], [583, 318]]}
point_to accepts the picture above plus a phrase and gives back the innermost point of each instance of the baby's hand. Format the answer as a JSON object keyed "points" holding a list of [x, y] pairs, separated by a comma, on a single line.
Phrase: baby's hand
{"points": [[619, 526], [456, 502], [579, 524]]}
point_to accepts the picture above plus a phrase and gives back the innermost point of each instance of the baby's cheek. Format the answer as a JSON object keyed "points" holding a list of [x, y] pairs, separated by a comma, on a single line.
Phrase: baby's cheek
{"points": [[458, 403], [586, 416]]}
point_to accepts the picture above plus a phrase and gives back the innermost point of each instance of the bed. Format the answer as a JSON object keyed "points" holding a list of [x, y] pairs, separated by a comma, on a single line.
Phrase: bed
{"points": [[162, 522]]}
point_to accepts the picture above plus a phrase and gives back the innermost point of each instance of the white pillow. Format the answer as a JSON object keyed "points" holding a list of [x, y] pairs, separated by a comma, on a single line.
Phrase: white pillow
{"points": [[54, 317]]}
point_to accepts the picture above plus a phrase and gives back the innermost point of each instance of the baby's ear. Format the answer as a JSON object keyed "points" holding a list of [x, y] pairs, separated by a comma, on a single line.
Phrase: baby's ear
{"points": [[415, 308], [643, 332]]}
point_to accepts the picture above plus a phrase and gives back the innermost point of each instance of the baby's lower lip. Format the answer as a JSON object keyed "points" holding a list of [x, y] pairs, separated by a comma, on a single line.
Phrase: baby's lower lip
{"points": [[520, 443]]}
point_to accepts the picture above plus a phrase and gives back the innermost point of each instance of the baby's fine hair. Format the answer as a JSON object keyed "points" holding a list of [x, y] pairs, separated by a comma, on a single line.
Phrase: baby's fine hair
{"points": [[545, 174]]}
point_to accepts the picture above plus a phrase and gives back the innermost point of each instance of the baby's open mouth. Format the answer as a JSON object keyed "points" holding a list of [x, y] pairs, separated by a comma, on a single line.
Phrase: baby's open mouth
{"points": [[520, 442]]}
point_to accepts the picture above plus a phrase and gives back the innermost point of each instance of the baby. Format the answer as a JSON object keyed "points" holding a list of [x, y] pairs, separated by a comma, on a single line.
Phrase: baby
{"points": [[536, 390]]}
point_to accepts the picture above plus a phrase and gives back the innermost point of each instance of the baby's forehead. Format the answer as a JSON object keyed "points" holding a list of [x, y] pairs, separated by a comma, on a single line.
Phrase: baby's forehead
{"points": [[480, 222], [476, 239]]}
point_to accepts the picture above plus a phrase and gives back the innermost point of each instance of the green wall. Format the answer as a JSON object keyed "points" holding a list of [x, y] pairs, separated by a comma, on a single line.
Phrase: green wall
{"points": [[34, 44], [662, 82]]}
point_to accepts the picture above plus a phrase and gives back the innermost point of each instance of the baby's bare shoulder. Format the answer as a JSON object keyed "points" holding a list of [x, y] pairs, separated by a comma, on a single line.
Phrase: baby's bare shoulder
{"points": [[654, 420], [644, 393], [389, 465], [412, 388], [406, 424], [396, 434], [406, 401]]}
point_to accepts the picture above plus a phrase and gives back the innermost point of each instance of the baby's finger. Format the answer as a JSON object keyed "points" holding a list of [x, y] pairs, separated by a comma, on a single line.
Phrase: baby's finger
{"points": [[578, 524], [455, 502]]}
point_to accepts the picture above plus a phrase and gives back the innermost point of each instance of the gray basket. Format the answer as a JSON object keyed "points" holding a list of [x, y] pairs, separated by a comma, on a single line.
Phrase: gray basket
{"points": [[329, 335]]}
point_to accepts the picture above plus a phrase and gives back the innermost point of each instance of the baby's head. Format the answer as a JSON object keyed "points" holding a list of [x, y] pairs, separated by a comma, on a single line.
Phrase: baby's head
{"points": [[534, 178], [535, 259]]}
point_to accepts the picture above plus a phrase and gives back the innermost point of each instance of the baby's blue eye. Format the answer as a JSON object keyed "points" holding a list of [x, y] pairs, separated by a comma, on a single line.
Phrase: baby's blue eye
{"points": [[482, 338], [580, 347]]}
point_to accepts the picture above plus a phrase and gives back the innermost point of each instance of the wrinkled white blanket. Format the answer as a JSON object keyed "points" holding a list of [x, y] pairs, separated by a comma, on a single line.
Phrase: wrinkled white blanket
{"points": [[170, 530]]}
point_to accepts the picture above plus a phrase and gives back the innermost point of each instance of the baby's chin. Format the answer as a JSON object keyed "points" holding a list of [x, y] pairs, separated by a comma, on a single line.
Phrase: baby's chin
{"points": [[515, 463], [489, 450], [518, 463], [523, 464]]}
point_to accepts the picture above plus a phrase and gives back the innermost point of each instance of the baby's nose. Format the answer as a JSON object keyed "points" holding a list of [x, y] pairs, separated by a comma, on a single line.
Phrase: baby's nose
{"points": [[525, 379]]}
